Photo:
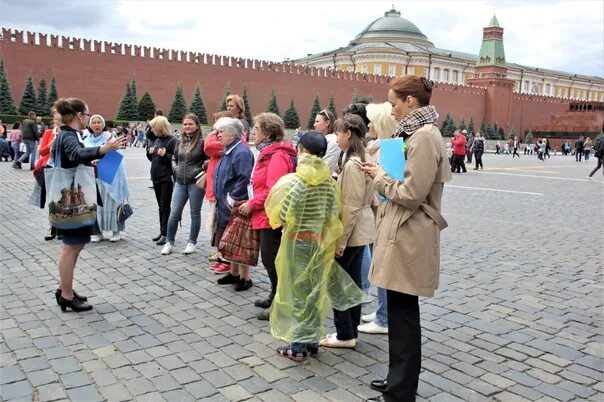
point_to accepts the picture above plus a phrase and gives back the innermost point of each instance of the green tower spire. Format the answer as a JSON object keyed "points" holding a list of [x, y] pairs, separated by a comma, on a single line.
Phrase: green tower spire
{"points": [[491, 50]]}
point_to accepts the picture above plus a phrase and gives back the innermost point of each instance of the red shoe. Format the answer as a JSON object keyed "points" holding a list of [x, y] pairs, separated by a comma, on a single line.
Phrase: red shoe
{"points": [[221, 268]]}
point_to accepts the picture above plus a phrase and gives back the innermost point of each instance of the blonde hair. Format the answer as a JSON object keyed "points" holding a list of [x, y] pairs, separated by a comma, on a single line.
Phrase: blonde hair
{"points": [[160, 126], [380, 116]]}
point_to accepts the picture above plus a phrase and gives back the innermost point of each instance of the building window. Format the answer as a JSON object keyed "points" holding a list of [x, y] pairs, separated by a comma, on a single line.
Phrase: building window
{"points": [[436, 73], [446, 75], [410, 70], [392, 70], [377, 69], [547, 89], [350, 69], [455, 76], [364, 68], [526, 84]]}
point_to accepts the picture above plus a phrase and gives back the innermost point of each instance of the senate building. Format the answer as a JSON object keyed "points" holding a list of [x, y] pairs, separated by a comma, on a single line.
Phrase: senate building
{"points": [[392, 45]]}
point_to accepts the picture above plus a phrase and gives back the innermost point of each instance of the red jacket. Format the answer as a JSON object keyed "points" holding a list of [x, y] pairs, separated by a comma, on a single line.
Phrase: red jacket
{"points": [[44, 149], [459, 145], [214, 149], [274, 161]]}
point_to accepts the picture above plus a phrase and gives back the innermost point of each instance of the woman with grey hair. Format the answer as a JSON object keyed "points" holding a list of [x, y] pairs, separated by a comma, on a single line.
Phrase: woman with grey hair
{"points": [[231, 180]]}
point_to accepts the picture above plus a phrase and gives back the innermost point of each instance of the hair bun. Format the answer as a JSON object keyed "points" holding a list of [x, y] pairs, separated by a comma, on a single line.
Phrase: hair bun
{"points": [[428, 84]]}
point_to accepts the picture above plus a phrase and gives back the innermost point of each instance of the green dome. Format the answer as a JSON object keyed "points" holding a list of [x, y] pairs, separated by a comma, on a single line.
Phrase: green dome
{"points": [[393, 26]]}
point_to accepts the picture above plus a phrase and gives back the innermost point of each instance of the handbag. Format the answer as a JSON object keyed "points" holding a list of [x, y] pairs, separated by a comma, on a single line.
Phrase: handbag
{"points": [[71, 194], [240, 243], [23, 147], [201, 180], [124, 211]]}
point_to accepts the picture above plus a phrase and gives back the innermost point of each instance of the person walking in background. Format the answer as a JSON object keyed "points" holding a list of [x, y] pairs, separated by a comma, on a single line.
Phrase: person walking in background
{"points": [[515, 147], [599, 154], [112, 195], [459, 152], [407, 246], [548, 147], [15, 142], [231, 180], [30, 135], [275, 160], [587, 145], [69, 153], [478, 149], [160, 153], [469, 142], [188, 161], [579, 144], [498, 148]]}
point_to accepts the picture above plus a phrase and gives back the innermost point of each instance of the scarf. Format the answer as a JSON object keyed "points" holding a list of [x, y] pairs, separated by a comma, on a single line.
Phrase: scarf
{"points": [[264, 144], [416, 119], [93, 141]]}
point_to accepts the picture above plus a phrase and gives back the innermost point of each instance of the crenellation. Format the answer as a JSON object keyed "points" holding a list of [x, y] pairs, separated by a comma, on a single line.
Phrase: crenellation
{"points": [[87, 45], [54, 40], [18, 35], [31, 38], [96, 46]]}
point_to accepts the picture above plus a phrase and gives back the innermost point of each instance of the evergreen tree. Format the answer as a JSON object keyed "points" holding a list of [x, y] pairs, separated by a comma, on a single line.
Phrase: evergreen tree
{"points": [[446, 121], [483, 128], [462, 126], [528, 138], [316, 108], [501, 133], [489, 132], [471, 125], [291, 118], [332, 106], [227, 92], [28, 100], [198, 107], [355, 98], [43, 110], [451, 127], [179, 107], [52, 94], [246, 105], [7, 104], [133, 90], [273, 106], [146, 107], [128, 111], [512, 133], [134, 101]]}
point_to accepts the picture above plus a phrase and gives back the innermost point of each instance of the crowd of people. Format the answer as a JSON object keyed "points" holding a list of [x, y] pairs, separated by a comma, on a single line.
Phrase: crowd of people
{"points": [[323, 214]]}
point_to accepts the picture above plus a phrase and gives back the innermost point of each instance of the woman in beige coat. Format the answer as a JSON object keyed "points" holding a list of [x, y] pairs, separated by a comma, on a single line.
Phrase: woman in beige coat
{"points": [[407, 245]]}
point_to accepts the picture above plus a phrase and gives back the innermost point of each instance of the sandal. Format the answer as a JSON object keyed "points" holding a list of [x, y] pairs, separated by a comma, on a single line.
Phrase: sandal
{"points": [[214, 257], [286, 351]]}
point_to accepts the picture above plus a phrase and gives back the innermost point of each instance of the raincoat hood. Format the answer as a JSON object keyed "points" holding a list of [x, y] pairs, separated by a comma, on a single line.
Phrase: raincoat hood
{"points": [[312, 169]]}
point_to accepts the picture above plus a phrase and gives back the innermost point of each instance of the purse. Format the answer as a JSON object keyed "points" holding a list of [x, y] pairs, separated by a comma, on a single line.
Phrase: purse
{"points": [[201, 180], [240, 243], [124, 211]]}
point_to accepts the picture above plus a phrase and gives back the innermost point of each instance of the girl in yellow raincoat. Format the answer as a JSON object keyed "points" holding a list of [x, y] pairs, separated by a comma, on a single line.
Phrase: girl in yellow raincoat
{"points": [[307, 205]]}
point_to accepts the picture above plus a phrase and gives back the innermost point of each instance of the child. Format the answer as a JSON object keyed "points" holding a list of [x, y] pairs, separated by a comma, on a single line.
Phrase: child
{"points": [[307, 205]]}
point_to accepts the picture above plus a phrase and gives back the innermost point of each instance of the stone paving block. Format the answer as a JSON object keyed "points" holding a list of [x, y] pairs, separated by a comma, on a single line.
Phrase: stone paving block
{"points": [[51, 392], [65, 365], [165, 383], [308, 396], [9, 374], [88, 394], [115, 392], [201, 389], [218, 379], [42, 377], [103, 377], [235, 393], [139, 386], [506, 396], [178, 395], [16, 390], [74, 380]]}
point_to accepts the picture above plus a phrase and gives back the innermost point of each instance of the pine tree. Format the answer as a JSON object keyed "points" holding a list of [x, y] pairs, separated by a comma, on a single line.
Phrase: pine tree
{"points": [[332, 106], [227, 92], [146, 107], [42, 99], [246, 105], [446, 122], [501, 134], [490, 133], [198, 107], [451, 127], [528, 138], [179, 107], [7, 104], [291, 118], [355, 98], [273, 106], [135, 113], [471, 125], [28, 100], [316, 108], [52, 94], [512, 133], [483, 128], [125, 110], [462, 126]]}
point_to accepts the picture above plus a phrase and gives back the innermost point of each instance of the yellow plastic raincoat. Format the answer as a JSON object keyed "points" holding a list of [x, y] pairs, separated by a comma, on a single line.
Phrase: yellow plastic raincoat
{"points": [[308, 206]]}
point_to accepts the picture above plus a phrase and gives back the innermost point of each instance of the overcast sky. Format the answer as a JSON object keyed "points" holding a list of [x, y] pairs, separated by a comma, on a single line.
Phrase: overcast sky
{"points": [[561, 35]]}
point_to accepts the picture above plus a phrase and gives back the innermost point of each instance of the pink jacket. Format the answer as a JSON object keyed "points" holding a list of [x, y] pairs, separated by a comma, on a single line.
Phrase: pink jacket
{"points": [[274, 161]]}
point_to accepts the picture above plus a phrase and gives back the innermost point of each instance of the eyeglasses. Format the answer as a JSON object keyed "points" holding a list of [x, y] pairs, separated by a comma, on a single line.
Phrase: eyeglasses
{"points": [[325, 113]]}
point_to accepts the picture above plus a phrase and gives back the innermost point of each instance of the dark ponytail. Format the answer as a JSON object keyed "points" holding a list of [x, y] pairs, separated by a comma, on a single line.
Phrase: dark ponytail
{"points": [[69, 108]]}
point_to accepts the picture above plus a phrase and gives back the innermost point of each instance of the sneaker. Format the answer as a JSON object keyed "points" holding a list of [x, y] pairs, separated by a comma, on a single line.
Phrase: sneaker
{"points": [[220, 268], [243, 285], [96, 238], [367, 298], [115, 236], [167, 249], [161, 241], [368, 317], [228, 279], [190, 248], [372, 328], [332, 341]]}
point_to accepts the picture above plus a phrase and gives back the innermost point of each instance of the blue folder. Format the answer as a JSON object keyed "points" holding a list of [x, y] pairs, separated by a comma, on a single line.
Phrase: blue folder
{"points": [[108, 166], [392, 157]]}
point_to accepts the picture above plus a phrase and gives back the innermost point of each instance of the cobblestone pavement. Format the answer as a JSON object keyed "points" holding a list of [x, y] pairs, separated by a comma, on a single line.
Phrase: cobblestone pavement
{"points": [[518, 315]]}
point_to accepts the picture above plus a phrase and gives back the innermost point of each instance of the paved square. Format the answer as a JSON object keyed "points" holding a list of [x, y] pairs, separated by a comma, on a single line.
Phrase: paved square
{"points": [[518, 315]]}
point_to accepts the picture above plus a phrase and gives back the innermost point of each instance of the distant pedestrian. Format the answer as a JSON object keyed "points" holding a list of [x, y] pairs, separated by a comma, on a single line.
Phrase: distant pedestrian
{"points": [[599, 154], [548, 146], [29, 132], [469, 143], [15, 142], [478, 149], [579, 144], [497, 148], [587, 148], [516, 144], [459, 152]]}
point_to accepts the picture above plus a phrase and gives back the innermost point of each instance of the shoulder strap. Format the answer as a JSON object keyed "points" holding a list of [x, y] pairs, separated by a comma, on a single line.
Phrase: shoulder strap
{"points": [[435, 215], [57, 151]]}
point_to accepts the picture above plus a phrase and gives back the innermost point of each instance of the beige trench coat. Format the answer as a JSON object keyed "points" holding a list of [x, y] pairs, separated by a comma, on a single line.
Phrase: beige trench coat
{"points": [[406, 252]]}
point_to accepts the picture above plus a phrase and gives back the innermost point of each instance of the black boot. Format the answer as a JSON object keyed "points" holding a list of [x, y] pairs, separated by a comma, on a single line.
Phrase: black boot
{"points": [[156, 238], [74, 304], [75, 296]]}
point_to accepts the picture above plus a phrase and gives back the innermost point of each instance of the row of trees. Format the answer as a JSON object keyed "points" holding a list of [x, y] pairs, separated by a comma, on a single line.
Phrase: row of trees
{"points": [[30, 101], [490, 131]]}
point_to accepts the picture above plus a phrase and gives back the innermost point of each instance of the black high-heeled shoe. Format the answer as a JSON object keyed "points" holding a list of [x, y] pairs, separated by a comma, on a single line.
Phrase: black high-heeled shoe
{"points": [[75, 296], [74, 304], [51, 234]]}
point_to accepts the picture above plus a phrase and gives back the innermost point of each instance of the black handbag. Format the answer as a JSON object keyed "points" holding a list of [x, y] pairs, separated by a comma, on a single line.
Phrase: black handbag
{"points": [[124, 211]]}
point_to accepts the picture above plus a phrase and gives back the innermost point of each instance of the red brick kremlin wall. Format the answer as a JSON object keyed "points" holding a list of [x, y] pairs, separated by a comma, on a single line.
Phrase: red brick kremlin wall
{"points": [[98, 71]]}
